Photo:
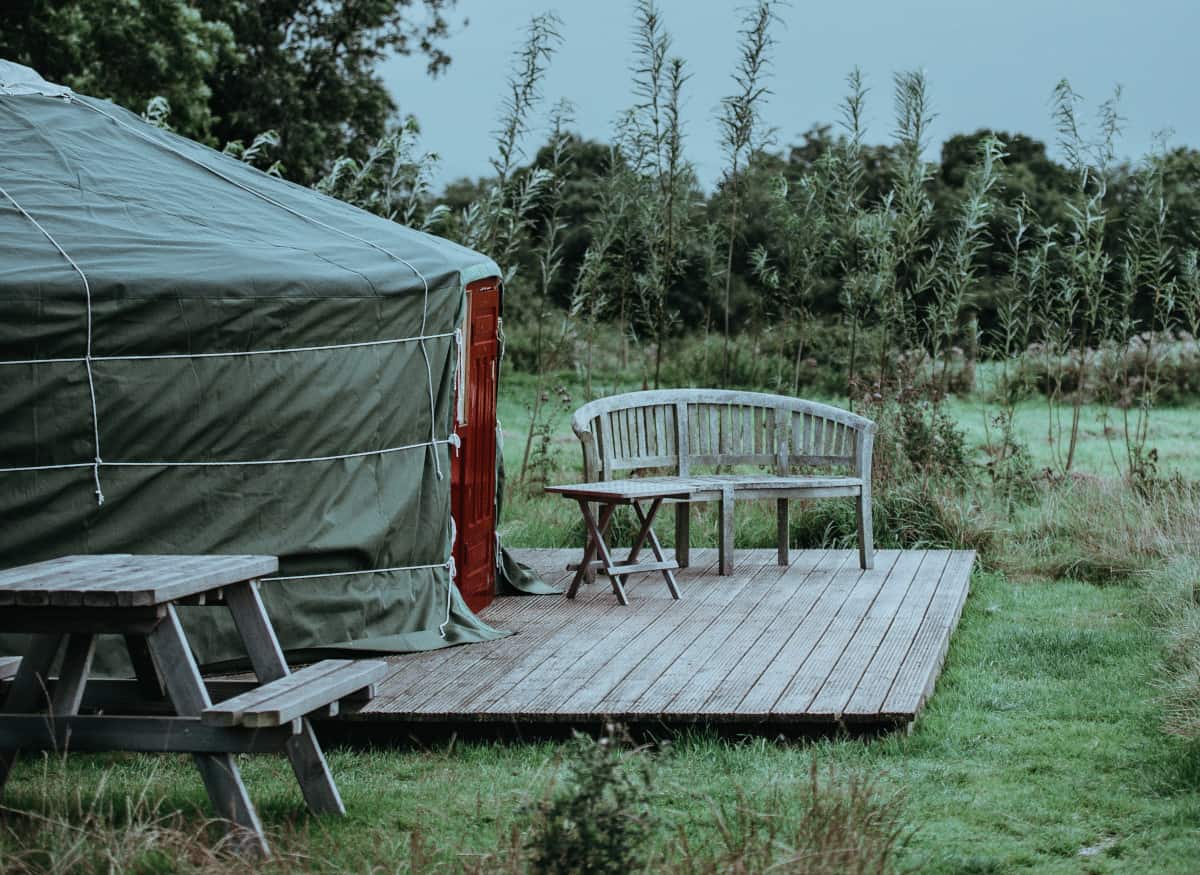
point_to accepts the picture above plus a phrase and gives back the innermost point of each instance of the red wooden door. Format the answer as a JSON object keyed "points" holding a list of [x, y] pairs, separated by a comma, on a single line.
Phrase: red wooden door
{"points": [[473, 474]]}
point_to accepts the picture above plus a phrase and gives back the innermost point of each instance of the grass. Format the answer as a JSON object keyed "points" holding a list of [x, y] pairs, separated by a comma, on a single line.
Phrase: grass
{"points": [[1043, 740], [1042, 750]]}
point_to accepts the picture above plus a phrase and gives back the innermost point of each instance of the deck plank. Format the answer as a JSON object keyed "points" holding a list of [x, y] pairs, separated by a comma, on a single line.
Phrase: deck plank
{"points": [[915, 680], [622, 697], [866, 701], [833, 694], [818, 641], [838, 634]]}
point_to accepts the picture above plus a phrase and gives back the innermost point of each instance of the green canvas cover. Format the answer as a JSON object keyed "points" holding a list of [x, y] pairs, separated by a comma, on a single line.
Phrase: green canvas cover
{"points": [[196, 357]]}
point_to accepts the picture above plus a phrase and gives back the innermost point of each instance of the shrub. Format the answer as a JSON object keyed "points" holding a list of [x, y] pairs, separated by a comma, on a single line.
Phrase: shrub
{"points": [[601, 819]]}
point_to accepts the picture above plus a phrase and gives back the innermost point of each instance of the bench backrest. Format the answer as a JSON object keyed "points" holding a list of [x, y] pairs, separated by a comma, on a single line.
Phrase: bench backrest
{"points": [[686, 428]]}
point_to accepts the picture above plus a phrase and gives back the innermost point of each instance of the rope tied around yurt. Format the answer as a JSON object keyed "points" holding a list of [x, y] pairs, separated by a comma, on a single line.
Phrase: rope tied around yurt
{"points": [[87, 358], [327, 347], [437, 462]]}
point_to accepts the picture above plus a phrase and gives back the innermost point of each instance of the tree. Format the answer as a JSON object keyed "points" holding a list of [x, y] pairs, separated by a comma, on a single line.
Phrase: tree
{"points": [[306, 68], [232, 69], [126, 51]]}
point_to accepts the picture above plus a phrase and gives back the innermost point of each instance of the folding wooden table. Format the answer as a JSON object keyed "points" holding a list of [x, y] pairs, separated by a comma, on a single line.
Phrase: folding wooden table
{"points": [[609, 495], [65, 603]]}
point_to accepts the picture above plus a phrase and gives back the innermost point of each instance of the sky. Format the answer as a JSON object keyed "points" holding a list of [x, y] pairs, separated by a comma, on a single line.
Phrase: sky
{"points": [[989, 64]]}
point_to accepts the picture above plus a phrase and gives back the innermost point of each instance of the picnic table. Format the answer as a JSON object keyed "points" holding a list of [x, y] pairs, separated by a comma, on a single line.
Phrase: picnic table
{"points": [[65, 603], [597, 555]]}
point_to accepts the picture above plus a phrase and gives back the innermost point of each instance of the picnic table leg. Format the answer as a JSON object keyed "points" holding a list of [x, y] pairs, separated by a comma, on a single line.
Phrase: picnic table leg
{"points": [[597, 530], [188, 694], [266, 656], [589, 551], [655, 546], [148, 681], [72, 677], [29, 688]]}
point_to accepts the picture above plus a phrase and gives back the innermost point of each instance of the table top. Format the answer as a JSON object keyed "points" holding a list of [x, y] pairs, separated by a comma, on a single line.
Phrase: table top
{"points": [[626, 490], [125, 580]]}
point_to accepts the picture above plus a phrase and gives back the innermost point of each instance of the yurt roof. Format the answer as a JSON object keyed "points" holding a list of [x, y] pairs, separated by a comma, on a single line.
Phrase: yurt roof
{"points": [[144, 212]]}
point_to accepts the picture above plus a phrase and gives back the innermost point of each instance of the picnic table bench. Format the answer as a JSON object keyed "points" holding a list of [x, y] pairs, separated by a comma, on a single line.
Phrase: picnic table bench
{"points": [[680, 431], [65, 603]]}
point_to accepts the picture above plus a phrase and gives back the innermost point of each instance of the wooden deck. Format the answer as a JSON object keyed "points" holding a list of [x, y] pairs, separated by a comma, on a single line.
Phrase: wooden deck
{"points": [[816, 644]]}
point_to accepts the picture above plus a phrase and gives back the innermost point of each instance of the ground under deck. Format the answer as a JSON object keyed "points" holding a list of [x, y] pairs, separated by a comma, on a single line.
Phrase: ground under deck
{"points": [[816, 642]]}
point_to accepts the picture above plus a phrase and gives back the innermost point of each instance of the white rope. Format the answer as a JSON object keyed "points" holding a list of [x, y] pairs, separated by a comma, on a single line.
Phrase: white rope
{"points": [[248, 352], [233, 463], [87, 290], [437, 463]]}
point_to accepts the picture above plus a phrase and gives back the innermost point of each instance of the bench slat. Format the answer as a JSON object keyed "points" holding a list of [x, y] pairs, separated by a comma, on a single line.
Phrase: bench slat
{"points": [[297, 694]]}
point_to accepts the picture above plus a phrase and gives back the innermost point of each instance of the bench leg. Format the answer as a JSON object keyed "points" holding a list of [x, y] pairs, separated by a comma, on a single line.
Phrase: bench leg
{"points": [[28, 691], [266, 657], [866, 539], [725, 558], [781, 514], [220, 773], [683, 535]]}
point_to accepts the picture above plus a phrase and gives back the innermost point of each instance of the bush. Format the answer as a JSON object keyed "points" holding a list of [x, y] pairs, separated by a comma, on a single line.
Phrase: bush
{"points": [[1118, 375], [601, 819]]}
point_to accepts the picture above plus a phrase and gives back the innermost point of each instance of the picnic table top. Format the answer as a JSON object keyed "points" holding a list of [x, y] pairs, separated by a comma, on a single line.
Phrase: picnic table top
{"points": [[636, 488], [125, 580]]}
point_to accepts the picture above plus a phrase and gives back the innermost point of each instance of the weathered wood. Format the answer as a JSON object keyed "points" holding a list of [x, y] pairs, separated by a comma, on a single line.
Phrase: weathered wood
{"points": [[8, 666], [723, 429], [139, 734], [866, 701], [723, 656], [219, 771], [149, 683], [266, 656], [287, 698], [683, 533], [865, 637], [839, 628], [120, 580], [73, 676], [50, 621], [29, 689], [919, 670]]}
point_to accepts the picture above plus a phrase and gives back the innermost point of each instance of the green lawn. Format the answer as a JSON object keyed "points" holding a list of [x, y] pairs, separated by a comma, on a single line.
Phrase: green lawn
{"points": [[1040, 751]]}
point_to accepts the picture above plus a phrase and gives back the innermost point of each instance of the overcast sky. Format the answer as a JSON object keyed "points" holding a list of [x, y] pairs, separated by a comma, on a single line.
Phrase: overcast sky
{"points": [[989, 64]]}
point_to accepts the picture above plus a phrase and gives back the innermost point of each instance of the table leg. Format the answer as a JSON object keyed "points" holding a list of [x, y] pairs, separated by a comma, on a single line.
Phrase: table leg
{"points": [[647, 527], [72, 677], [647, 520], [266, 656], [597, 530], [29, 688], [149, 683], [188, 694], [589, 551]]}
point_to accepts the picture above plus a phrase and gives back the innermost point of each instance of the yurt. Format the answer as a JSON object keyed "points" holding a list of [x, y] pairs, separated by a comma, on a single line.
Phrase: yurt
{"points": [[196, 357]]}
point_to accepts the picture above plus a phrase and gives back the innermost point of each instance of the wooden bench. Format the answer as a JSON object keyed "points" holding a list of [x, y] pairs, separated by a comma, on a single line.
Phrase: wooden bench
{"points": [[683, 431]]}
